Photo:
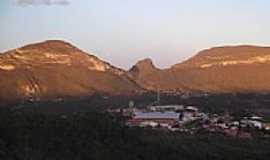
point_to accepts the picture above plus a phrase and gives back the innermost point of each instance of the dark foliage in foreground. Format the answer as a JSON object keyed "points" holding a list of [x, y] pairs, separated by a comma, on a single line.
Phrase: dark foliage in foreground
{"points": [[210, 103], [76, 136]]}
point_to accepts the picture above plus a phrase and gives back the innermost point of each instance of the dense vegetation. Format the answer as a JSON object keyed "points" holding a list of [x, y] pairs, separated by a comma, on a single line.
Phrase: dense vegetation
{"points": [[95, 135], [213, 103]]}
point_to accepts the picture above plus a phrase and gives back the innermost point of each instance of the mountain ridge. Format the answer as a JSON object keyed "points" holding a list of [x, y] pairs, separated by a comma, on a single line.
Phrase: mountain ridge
{"points": [[215, 70], [229, 53]]}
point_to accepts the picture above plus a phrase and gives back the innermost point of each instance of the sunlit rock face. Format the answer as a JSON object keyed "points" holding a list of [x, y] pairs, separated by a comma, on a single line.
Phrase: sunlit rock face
{"points": [[218, 70], [228, 56], [7, 67], [250, 60], [54, 69]]}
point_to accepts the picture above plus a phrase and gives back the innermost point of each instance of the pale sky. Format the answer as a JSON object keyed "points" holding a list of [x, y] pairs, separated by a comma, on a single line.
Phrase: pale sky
{"points": [[125, 31]]}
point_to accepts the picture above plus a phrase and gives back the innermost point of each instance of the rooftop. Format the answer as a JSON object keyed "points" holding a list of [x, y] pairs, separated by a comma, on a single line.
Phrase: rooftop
{"points": [[156, 115]]}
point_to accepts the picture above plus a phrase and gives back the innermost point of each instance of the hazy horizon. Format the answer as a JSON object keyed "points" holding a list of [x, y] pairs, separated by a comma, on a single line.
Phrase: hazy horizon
{"points": [[123, 32]]}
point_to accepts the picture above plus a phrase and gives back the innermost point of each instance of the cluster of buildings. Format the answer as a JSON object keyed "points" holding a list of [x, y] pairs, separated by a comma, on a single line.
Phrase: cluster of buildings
{"points": [[167, 117], [190, 119], [243, 127]]}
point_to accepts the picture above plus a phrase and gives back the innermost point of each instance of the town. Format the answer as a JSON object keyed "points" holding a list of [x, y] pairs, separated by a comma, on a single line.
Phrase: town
{"points": [[189, 119]]}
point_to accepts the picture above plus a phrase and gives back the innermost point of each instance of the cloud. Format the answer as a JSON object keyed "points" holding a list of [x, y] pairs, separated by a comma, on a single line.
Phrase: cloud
{"points": [[43, 2]]}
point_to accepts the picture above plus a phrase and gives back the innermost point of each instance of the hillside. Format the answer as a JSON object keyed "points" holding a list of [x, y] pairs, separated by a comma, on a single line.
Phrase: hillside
{"points": [[56, 69], [217, 70]]}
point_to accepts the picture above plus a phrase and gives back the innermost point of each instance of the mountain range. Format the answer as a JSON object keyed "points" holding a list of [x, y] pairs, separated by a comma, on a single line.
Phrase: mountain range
{"points": [[57, 69]]}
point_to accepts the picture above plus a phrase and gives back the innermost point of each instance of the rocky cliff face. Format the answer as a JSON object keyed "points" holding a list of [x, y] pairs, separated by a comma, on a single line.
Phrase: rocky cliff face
{"points": [[216, 70], [152, 78], [54, 69]]}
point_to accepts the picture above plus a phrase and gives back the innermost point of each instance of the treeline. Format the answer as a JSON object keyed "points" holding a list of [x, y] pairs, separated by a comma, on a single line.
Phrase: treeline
{"points": [[95, 102], [212, 103], [95, 135]]}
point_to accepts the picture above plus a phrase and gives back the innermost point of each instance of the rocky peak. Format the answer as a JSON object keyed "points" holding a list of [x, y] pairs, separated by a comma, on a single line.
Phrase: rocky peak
{"points": [[145, 64], [141, 69]]}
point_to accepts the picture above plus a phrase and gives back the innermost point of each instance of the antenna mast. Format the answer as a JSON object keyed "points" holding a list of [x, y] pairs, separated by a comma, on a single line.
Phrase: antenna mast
{"points": [[158, 96]]}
